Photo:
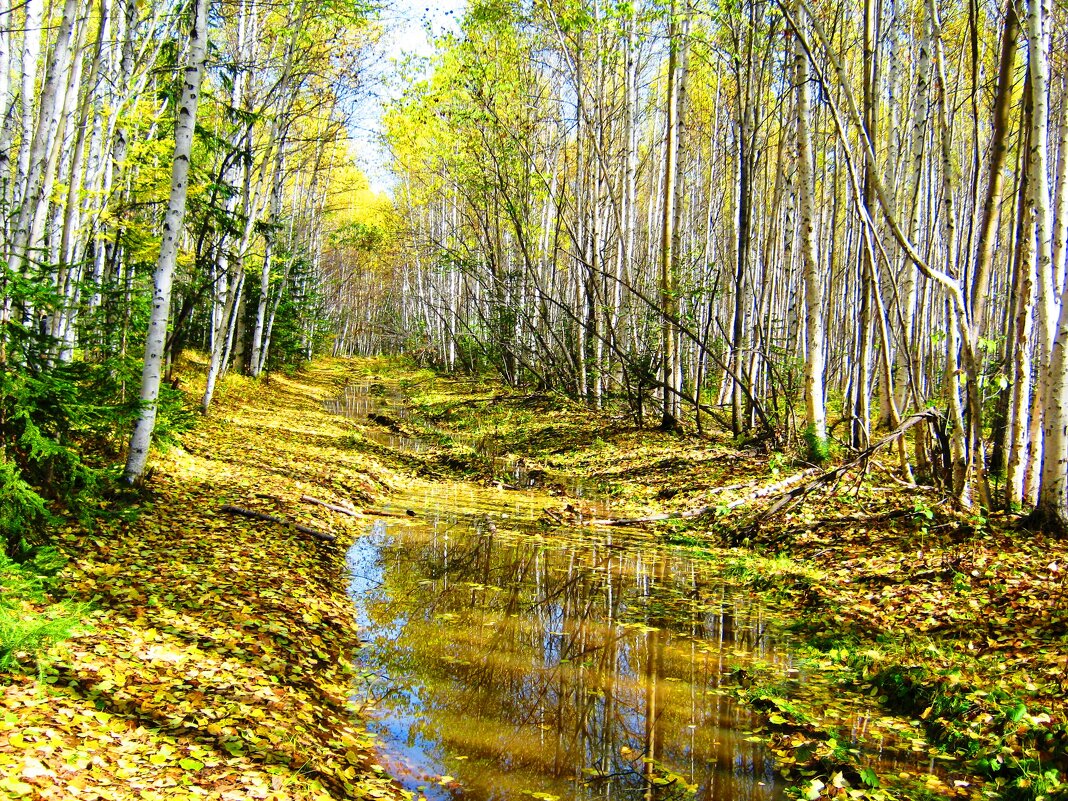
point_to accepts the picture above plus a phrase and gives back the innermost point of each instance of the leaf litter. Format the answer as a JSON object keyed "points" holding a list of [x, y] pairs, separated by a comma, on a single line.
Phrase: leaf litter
{"points": [[215, 662]]}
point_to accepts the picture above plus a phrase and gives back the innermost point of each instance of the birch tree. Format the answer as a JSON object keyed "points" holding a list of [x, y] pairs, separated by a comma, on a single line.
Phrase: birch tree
{"points": [[815, 411], [185, 125]]}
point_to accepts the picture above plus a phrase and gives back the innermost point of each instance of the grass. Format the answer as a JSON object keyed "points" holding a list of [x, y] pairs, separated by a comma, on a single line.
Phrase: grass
{"points": [[781, 573]]}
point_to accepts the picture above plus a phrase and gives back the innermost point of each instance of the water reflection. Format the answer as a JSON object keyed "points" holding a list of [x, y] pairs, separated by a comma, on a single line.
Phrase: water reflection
{"points": [[358, 401], [509, 660]]}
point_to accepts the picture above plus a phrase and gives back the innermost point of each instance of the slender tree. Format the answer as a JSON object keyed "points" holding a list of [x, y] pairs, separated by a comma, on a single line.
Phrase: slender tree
{"points": [[185, 125]]}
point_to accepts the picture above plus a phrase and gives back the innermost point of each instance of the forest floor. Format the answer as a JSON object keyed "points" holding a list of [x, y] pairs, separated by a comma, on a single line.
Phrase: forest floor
{"points": [[215, 658], [215, 662]]}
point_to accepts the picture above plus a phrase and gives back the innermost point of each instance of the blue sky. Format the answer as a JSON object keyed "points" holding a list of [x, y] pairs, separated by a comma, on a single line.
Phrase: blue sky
{"points": [[407, 23]]}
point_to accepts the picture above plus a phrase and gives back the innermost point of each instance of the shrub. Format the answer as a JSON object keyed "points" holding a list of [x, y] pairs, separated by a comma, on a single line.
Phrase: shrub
{"points": [[60, 425], [29, 623]]}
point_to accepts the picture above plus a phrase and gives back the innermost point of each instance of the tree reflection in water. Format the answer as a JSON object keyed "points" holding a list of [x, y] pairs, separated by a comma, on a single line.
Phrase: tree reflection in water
{"points": [[584, 663]]}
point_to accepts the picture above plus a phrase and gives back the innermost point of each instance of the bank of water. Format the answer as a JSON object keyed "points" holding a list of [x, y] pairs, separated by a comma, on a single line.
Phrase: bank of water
{"points": [[507, 657]]}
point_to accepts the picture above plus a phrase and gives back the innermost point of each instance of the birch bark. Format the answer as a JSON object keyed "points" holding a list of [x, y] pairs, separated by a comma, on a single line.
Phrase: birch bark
{"points": [[1051, 509], [668, 240], [815, 413], [168, 254]]}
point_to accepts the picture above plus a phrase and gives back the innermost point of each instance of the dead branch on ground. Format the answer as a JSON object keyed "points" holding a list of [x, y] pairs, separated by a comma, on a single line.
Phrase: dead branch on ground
{"points": [[331, 506], [325, 536]]}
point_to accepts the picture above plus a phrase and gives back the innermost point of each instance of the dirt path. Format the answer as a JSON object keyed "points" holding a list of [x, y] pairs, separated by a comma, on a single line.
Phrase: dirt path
{"points": [[217, 663]]}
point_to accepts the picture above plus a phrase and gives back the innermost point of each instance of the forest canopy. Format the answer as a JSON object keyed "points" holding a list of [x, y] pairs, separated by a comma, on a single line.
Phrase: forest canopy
{"points": [[793, 220]]}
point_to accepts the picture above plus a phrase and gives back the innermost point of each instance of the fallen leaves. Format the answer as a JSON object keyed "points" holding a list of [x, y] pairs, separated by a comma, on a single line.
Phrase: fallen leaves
{"points": [[218, 664]]}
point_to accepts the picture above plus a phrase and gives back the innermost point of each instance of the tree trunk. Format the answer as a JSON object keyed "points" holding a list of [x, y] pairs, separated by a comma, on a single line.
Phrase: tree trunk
{"points": [[168, 254], [1051, 509], [668, 239], [815, 413], [999, 148]]}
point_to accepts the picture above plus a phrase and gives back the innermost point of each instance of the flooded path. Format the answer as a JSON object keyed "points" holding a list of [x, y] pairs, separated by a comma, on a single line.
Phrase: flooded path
{"points": [[512, 660], [505, 658]]}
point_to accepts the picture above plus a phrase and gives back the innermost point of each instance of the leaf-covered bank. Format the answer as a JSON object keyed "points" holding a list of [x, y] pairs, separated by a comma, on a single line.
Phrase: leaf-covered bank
{"points": [[215, 662], [953, 623]]}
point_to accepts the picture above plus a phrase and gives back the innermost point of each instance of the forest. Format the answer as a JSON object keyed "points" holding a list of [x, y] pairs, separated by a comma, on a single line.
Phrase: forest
{"points": [[753, 309], [724, 213]]}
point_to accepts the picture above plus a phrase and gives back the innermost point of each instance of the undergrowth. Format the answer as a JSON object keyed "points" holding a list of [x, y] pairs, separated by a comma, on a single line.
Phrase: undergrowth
{"points": [[1022, 750], [770, 572], [29, 621], [63, 428]]}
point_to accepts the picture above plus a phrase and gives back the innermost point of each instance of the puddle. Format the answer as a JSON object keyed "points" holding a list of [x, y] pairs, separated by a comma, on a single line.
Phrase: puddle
{"points": [[504, 659], [361, 401]]}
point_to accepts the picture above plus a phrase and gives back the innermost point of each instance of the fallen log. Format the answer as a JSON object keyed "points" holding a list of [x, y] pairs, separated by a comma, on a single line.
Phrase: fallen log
{"points": [[325, 536], [553, 515], [930, 415], [333, 507]]}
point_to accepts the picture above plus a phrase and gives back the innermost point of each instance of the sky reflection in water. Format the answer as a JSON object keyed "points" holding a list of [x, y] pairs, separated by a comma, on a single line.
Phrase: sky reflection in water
{"points": [[520, 661]]}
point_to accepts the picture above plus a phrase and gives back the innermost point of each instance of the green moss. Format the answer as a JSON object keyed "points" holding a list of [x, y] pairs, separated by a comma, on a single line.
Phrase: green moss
{"points": [[817, 449]]}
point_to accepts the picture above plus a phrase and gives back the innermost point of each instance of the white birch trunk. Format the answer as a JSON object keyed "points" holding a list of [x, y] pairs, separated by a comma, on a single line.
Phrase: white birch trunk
{"points": [[31, 53], [168, 254], [1041, 209], [6, 41], [1052, 504], [34, 152], [815, 413], [1020, 401]]}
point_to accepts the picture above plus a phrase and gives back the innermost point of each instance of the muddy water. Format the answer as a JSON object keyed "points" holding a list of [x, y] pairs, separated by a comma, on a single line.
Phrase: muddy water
{"points": [[509, 659], [505, 659]]}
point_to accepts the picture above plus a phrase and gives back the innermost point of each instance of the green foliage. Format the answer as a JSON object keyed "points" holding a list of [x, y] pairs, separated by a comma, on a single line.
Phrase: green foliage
{"points": [[922, 515], [39, 412], [818, 449], [359, 236], [286, 336], [981, 725], [776, 572], [22, 510], [869, 777], [61, 425], [173, 415], [771, 700], [28, 622]]}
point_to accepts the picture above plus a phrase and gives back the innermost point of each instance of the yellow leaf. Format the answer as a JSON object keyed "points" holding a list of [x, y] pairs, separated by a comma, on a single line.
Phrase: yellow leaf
{"points": [[16, 787], [34, 768]]}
